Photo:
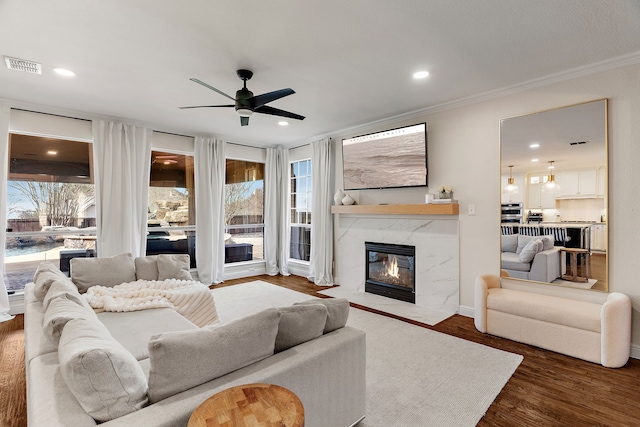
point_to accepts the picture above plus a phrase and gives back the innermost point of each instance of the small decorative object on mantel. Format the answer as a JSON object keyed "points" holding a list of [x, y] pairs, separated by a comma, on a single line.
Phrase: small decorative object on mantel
{"points": [[348, 200], [446, 192], [337, 198]]}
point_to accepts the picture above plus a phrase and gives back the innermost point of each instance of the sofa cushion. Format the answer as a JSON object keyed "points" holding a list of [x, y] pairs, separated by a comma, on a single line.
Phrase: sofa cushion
{"points": [[60, 287], [45, 275], [511, 261], [87, 272], [300, 323], [530, 250], [524, 240], [548, 241], [146, 267], [174, 266], [134, 329], [546, 308], [105, 378], [62, 310], [182, 360], [337, 312], [509, 242]]}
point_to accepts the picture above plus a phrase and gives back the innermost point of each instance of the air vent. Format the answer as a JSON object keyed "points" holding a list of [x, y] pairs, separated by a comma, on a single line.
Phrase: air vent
{"points": [[23, 65]]}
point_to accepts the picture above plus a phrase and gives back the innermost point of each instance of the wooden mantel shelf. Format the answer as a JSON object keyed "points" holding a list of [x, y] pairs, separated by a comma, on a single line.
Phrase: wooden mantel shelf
{"points": [[415, 209]]}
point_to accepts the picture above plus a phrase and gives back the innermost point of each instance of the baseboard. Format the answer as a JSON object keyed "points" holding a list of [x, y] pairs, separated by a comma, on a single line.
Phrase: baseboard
{"points": [[635, 351], [466, 311]]}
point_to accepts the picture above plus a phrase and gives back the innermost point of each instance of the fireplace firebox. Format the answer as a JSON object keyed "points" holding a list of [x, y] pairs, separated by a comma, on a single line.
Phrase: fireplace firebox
{"points": [[390, 270]]}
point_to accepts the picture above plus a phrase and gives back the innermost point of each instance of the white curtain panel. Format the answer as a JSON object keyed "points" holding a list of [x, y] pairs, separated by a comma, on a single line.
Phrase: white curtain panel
{"points": [[209, 158], [4, 162], [321, 221], [122, 162], [276, 211]]}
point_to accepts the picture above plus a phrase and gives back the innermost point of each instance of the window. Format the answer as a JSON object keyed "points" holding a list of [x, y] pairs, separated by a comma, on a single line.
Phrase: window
{"points": [[50, 205], [171, 213], [300, 247], [244, 211]]}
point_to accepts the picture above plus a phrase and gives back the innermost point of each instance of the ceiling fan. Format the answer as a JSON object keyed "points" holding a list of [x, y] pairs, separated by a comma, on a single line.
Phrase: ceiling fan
{"points": [[246, 103]]}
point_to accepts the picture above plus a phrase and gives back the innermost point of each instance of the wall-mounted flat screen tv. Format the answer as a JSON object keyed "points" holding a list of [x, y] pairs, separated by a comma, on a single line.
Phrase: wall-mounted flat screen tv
{"points": [[389, 159]]}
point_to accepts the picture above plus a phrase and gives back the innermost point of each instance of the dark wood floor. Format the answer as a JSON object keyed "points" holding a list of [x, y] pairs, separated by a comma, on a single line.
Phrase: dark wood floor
{"points": [[547, 389]]}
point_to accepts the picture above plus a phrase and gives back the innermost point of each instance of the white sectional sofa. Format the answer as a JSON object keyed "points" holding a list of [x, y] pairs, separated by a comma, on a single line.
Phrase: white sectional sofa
{"points": [[153, 367], [599, 333]]}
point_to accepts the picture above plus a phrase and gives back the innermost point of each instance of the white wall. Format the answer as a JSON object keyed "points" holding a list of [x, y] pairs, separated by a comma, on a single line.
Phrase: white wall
{"points": [[464, 152]]}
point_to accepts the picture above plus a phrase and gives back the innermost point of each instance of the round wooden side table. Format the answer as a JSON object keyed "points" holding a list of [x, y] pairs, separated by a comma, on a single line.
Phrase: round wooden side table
{"points": [[250, 405]]}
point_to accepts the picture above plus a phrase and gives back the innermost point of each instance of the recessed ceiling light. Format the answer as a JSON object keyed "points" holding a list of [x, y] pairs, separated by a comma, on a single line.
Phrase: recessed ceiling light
{"points": [[52, 152], [534, 160], [420, 74], [64, 72], [534, 145], [283, 123]]}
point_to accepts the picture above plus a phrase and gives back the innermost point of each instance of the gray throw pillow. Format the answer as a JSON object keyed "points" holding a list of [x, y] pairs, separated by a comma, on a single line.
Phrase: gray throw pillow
{"points": [[87, 272], [105, 378], [146, 267], [182, 360], [62, 310], [530, 250], [174, 266], [45, 275], [300, 323], [337, 311], [523, 241], [548, 241], [509, 242]]}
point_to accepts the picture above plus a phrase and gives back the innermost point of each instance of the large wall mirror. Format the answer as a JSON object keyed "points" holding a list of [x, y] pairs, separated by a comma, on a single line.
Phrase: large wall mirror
{"points": [[553, 167]]}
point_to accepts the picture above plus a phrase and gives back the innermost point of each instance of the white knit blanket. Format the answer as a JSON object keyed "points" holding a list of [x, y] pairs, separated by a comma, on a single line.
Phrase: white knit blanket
{"points": [[191, 299]]}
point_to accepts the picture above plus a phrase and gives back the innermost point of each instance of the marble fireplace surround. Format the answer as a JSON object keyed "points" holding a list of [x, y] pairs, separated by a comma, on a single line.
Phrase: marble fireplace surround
{"points": [[436, 239]]}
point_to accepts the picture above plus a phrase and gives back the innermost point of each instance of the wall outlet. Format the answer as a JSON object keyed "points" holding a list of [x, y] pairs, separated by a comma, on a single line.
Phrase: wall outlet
{"points": [[472, 210]]}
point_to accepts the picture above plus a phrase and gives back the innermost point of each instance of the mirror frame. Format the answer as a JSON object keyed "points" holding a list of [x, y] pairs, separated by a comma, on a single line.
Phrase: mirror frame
{"points": [[525, 193]]}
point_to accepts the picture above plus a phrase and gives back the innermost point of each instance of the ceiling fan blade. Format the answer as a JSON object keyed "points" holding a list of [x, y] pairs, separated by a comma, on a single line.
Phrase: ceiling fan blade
{"points": [[260, 100], [207, 106], [265, 109], [200, 82], [244, 121]]}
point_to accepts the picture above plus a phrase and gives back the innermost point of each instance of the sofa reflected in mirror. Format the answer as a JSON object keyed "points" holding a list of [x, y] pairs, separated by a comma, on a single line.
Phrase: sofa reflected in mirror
{"points": [[531, 257]]}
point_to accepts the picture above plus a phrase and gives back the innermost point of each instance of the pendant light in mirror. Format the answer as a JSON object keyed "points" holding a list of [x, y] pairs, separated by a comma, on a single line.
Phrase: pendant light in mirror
{"points": [[551, 184], [511, 187]]}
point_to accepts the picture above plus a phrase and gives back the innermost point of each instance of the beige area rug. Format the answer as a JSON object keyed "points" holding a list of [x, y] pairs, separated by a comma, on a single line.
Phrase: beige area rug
{"points": [[415, 376], [389, 305], [578, 285]]}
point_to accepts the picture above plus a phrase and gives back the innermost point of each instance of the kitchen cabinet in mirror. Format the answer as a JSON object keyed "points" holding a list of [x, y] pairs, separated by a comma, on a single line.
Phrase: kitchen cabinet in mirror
{"points": [[553, 173]]}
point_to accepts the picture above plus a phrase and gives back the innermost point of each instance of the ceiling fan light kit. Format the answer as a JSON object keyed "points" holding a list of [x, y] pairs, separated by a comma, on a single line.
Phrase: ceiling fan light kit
{"points": [[246, 103]]}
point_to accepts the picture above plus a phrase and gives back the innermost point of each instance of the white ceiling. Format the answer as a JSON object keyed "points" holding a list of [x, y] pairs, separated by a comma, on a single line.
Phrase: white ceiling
{"points": [[349, 61]]}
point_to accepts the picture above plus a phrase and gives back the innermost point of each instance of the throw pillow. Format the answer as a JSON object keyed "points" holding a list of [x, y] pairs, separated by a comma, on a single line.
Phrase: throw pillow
{"points": [[530, 250], [146, 267], [62, 310], [45, 275], [60, 287], [87, 272], [105, 378], [182, 360], [509, 242], [523, 241], [174, 266], [300, 323], [548, 241], [337, 312]]}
